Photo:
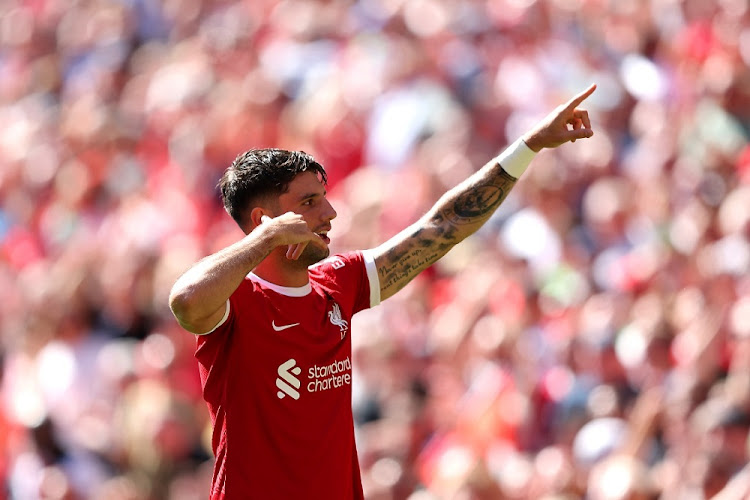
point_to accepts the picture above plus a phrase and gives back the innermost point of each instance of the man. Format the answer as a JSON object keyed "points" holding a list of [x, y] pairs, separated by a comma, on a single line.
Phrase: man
{"points": [[273, 313]]}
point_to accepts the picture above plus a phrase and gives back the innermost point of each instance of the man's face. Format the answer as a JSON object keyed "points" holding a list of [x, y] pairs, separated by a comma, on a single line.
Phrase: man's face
{"points": [[307, 196]]}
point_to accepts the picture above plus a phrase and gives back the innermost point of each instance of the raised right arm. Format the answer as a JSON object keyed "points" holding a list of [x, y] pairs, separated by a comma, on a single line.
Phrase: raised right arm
{"points": [[198, 299]]}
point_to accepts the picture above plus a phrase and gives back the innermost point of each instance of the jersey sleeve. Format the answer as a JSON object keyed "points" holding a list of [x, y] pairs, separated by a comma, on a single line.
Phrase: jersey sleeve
{"points": [[373, 281], [212, 353], [222, 321], [353, 274]]}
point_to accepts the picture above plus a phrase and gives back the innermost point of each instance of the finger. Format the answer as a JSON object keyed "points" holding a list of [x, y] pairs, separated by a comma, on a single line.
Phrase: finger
{"points": [[575, 101], [300, 248], [296, 250], [583, 115], [582, 133], [293, 252], [577, 125]]}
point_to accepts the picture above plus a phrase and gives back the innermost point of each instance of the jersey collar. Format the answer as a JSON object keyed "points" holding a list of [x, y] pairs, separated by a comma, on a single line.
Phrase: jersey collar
{"points": [[289, 291]]}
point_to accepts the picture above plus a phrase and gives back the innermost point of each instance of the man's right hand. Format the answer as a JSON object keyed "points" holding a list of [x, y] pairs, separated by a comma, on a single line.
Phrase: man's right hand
{"points": [[290, 229]]}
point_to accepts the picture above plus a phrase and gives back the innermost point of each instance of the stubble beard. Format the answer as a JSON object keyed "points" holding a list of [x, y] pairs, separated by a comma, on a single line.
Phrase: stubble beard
{"points": [[312, 254]]}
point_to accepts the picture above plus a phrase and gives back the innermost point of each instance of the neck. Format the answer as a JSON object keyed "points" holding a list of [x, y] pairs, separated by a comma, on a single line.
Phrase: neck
{"points": [[283, 272]]}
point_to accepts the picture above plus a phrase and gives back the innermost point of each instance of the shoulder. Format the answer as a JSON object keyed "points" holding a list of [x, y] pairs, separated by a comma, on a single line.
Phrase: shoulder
{"points": [[350, 269], [337, 263], [356, 262]]}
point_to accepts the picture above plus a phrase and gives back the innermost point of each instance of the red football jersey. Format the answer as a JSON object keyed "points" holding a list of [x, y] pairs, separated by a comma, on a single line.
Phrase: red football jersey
{"points": [[276, 374]]}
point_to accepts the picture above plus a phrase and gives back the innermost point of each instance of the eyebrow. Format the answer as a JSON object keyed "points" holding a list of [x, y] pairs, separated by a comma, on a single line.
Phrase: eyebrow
{"points": [[307, 196]]}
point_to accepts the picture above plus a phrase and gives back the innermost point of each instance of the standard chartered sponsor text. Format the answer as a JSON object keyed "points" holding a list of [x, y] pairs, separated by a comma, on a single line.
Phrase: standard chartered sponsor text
{"points": [[334, 375]]}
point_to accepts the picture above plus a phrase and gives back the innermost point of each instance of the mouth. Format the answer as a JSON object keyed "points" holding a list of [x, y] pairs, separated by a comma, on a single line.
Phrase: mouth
{"points": [[323, 233]]}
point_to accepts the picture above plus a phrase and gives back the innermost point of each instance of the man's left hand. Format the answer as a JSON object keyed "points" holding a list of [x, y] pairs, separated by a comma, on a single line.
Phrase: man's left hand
{"points": [[566, 123]]}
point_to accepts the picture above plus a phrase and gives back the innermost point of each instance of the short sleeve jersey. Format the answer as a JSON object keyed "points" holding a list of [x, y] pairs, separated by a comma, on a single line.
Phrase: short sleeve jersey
{"points": [[277, 374]]}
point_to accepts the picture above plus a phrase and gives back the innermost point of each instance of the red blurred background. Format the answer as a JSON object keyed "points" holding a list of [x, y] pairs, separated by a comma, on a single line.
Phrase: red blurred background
{"points": [[592, 340]]}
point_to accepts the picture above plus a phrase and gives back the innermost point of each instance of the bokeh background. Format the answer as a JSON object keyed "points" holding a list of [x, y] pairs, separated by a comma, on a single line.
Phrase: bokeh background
{"points": [[591, 341]]}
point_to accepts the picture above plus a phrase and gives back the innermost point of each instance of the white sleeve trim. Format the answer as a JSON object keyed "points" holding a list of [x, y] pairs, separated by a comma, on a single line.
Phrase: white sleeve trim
{"points": [[221, 322], [372, 277]]}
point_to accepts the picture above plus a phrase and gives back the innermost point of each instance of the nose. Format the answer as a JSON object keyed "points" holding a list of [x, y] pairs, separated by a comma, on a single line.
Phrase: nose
{"points": [[329, 212]]}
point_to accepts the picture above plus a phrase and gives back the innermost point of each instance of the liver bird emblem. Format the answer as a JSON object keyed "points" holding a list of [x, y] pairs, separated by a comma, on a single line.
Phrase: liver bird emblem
{"points": [[335, 316]]}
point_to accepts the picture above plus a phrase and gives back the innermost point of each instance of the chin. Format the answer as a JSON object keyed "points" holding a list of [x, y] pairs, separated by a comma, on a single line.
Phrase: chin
{"points": [[312, 255]]}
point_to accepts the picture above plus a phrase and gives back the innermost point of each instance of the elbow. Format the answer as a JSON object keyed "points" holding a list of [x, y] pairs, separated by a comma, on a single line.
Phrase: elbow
{"points": [[181, 303], [192, 309]]}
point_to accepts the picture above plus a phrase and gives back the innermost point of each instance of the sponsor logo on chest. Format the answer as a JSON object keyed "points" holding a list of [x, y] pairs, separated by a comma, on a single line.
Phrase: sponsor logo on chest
{"points": [[320, 378]]}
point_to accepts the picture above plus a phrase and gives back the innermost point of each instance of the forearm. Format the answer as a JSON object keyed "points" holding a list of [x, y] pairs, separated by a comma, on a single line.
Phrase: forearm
{"points": [[201, 293], [456, 215], [465, 208]]}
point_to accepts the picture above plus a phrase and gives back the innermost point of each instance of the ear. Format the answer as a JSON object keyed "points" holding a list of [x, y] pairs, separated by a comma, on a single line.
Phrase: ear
{"points": [[256, 214]]}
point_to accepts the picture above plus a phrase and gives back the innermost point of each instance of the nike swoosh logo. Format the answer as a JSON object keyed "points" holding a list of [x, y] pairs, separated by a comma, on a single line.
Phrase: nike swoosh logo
{"points": [[282, 327]]}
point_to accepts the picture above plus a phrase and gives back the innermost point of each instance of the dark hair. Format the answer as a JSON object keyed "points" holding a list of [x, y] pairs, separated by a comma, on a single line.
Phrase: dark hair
{"points": [[260, 173]]}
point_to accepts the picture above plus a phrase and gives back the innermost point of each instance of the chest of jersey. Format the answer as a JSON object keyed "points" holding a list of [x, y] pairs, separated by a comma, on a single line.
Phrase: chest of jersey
{"points": [[296, 349]]}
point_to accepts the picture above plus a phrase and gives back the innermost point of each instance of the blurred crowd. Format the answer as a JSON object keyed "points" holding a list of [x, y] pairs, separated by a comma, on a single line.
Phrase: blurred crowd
{"points": [[591, 341]]}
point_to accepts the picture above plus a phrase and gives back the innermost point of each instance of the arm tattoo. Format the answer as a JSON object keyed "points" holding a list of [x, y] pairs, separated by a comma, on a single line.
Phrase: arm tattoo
{"points": [[479, 201], [457, 214], [404, 261]]}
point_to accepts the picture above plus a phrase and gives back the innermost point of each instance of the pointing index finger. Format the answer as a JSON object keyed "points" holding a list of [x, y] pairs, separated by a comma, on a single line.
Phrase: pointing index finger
{"points": [[575, 101]]}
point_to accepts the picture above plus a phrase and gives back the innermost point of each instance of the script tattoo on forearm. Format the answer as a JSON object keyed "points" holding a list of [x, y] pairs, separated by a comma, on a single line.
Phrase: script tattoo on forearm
{"points": [[454, 218], [410, 258], [397, 273]]}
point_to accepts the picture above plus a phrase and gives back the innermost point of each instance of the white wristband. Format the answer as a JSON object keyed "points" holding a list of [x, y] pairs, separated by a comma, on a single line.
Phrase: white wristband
{"points": [[516, 158]]}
